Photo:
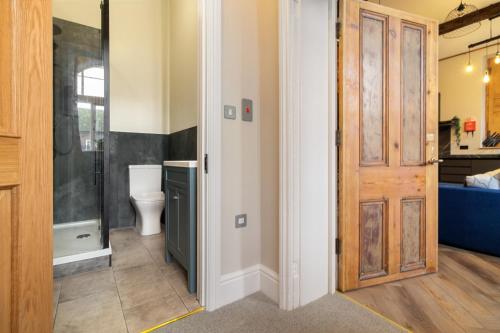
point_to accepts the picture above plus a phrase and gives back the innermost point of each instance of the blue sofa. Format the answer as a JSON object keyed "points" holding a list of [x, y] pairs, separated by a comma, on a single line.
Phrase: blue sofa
{"points": [[469, 218]]}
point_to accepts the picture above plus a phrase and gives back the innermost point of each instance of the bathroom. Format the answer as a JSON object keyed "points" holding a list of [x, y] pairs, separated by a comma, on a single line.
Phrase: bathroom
{"points": [[126, 110]]}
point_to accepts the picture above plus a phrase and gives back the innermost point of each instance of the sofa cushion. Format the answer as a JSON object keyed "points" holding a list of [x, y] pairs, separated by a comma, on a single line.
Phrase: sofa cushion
{"points": [[489, 180]]}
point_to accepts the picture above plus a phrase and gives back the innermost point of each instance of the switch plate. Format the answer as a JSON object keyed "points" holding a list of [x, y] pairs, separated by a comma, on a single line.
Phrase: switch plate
{"points": [[246, 109], [240, 221], [230, 112]]}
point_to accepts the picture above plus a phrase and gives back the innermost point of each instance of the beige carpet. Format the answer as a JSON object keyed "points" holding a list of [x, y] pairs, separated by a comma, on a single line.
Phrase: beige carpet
{"points": [[259, 314]]}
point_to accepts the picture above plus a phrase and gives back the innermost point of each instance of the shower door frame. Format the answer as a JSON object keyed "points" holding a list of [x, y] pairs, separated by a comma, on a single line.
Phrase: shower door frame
{"points": [[106, 193]]}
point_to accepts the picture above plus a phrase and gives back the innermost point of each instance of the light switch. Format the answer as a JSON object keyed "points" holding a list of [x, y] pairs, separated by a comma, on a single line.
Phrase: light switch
{"points": [[240, 221], [246, 109], [230, 112]]}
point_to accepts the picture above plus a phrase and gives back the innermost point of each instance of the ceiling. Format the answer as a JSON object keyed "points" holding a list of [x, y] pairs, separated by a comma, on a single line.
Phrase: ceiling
{"points": [[439, 9]]}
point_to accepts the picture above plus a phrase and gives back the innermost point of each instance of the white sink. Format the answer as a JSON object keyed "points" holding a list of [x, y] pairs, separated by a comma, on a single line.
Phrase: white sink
{"points": [[181, 164]]}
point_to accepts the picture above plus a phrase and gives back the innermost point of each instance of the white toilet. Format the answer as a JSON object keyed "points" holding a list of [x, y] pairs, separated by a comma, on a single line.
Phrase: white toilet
{"points": [[147, 197]]}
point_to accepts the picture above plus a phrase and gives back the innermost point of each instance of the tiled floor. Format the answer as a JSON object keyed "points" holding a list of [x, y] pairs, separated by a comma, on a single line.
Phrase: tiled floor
{"points": [[139, 292]]}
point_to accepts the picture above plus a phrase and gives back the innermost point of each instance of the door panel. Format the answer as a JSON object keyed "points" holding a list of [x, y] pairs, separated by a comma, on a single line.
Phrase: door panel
{"points": [[374, 81], [25, 166], [388, 120]]}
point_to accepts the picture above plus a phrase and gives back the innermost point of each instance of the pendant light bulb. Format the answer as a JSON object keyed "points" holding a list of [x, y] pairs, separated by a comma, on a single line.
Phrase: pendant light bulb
{"points": [[497, 58], [486, 77], [469, 68]]}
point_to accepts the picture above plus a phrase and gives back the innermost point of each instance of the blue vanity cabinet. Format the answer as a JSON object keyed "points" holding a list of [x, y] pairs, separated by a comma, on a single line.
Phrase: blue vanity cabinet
{"points": [[180, 219]]}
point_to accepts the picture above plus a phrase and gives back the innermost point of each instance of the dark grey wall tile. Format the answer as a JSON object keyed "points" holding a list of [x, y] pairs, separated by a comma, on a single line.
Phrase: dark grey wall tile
{"points": [[182, 145], [76, 191], [130, 149], [135, 148]]}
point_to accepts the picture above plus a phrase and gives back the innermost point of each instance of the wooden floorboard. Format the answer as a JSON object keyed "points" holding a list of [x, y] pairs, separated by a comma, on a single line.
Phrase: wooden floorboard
{"points": [[464, 296]]}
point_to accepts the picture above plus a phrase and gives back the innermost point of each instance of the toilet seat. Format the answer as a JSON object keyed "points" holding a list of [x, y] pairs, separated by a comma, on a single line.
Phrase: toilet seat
{"points": [[149, 197]]}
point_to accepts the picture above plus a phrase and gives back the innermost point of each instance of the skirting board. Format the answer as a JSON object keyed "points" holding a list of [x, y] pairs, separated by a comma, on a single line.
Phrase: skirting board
{"points": [[240, 284]]}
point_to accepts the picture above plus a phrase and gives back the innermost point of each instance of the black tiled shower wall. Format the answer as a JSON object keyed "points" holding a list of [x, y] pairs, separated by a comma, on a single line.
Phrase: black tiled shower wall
{"points": [[138, 148]]}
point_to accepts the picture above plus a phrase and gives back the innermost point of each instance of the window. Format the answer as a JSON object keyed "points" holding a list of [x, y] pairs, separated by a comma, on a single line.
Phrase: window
{"points": [[90, 104]]}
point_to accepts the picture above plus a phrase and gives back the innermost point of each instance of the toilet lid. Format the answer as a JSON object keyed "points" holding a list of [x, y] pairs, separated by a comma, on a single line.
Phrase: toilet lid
{"points": [[152, 196]]}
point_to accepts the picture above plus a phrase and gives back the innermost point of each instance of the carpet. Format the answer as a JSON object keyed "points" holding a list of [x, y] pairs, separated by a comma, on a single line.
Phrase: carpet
{"points": [[257, 313]]}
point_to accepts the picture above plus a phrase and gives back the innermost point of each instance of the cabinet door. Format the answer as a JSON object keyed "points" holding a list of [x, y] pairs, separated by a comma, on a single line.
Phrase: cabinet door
{"points": [[183, 224], [172, 215]]}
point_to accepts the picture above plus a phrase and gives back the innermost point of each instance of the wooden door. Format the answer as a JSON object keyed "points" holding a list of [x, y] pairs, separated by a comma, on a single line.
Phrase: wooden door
{"points": [[25, 166], [388, 123], [493, 98]]}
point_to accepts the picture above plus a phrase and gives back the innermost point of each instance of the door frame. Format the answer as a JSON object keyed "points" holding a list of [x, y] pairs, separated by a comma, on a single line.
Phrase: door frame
{"points": [[209, 152], [291, 290]]}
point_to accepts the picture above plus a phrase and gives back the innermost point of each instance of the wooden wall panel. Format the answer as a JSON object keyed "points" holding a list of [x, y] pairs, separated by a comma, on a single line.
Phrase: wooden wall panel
{"points": [[412, 93], [412, 234], [9, 155], [31, 49], [7, 117], [373, 39], [6, 217], [373, 239]]}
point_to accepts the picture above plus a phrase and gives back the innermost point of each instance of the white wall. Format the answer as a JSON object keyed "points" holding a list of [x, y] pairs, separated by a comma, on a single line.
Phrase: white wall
{"points": [[136, 66], [250, 149], [183, 61], [463, 95], [153, 61], [86, 12], [314, 158]]}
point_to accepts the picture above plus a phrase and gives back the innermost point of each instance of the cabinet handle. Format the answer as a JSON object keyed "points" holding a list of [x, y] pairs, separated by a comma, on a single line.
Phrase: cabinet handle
{"points": [[175, 197]]}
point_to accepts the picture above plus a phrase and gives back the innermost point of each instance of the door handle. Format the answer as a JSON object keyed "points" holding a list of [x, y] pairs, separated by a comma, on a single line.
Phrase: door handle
{"points": [[435, 161]]}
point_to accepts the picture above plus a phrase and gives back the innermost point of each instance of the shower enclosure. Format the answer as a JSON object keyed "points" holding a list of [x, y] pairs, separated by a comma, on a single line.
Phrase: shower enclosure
{"points": [[80, 131]]}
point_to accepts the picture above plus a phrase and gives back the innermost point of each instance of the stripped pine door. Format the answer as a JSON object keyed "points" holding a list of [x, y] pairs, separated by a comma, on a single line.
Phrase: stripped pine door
{"points": [[25, 166], [388, 123]]}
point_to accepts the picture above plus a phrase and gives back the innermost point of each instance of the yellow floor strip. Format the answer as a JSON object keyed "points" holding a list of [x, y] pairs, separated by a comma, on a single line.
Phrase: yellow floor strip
{"points": [[200, 309], [376, 313]]}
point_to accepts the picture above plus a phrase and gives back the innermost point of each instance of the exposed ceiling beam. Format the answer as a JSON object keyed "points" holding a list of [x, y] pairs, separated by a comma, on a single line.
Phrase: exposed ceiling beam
{"points": [[471, 18]]}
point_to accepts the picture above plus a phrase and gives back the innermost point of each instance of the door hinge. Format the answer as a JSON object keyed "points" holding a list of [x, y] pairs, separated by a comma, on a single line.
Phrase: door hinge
{"points": [[206, 163], [338, 29], [338, 137], [337, 246]]}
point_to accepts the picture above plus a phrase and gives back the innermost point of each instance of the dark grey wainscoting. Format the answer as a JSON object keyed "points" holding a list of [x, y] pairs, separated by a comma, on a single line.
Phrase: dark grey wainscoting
{"points": [[130, 149], [137, 148], [182, 145]]}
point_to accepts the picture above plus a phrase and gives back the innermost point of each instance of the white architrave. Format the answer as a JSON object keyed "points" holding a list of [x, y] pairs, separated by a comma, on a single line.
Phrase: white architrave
{"points": [[210, 143]]}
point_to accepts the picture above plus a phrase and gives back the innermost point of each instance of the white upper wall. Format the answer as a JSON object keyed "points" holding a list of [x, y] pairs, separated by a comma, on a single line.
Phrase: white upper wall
{"points": [[86, 12], [143, 73], [136, 66], [183, 62]]}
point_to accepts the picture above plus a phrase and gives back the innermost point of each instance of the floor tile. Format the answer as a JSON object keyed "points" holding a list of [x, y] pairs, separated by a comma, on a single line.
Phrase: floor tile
{"points": [[179, 285], [81, 285], [155, 242], [136, 256], [191, 302], [140, 285], [154, 313], [55, 299], [94, 313], [124, 239]]}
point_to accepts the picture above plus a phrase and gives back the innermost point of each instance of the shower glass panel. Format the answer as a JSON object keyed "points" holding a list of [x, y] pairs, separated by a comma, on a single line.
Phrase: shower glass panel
{"points": [[79, 130]]}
